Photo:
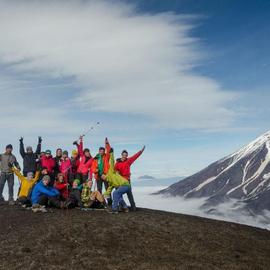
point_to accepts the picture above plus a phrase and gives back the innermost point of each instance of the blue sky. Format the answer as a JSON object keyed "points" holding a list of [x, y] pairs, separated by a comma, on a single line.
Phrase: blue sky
{"points": [[189, 79]]}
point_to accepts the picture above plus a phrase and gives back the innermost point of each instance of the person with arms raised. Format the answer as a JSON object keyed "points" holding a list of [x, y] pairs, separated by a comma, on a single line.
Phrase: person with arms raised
{"points": [[29, 157], [119, 184], [122, 166]]}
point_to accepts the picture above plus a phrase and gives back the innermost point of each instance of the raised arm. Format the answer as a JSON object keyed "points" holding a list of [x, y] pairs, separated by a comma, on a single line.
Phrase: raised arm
{"points": [[36, 176], [22, 151], [17, 173], [80, 147], [38, 150], [136, 156], [111, 162]]}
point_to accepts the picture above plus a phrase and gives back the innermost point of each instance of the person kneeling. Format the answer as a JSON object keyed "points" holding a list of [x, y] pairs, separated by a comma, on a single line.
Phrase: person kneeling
{"points": [[120, 184], [26, 185], [43, 195], [91, 199]]}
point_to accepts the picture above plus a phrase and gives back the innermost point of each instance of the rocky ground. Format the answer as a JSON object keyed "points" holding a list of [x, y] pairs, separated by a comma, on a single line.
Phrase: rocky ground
{"points": [[74, 239]]}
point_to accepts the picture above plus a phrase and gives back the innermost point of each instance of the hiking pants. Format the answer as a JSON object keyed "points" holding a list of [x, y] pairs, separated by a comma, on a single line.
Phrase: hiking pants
{"points": [[118, 197], [24, 201], [49, 201], [9, 177], [131, 198], [99, 184]]}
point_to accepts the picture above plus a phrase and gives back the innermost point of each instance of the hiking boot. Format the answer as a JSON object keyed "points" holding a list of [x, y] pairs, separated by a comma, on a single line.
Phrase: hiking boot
{"points": [[133, 209], [43, 209], [36, 208], [113, 212], [11, 202], [2, 199], [125, 210]]}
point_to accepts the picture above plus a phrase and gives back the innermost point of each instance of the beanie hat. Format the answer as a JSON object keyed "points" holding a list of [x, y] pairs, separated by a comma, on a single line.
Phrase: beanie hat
{"points": [[65, 152], [46, 178], [74, 152], [9, 146], [29, 149], [49, 152], [77, 181], [86, 150]]}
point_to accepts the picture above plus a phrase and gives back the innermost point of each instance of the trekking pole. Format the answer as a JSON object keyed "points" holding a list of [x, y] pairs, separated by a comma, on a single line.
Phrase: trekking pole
{"points": [[90, 129]]}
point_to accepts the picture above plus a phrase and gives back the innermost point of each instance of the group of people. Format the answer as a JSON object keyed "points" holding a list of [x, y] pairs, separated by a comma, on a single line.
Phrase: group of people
{"points": [[67, 181]]}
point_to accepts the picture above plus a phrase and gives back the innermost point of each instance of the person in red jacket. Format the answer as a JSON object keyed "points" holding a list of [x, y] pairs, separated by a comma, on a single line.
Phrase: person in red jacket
{"points": [[62, 186], [84, 171], [122, 166], [47, 161]]}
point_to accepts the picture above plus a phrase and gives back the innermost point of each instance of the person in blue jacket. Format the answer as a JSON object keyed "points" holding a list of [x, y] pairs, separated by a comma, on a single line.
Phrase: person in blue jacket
{"points": [[44, 195]]}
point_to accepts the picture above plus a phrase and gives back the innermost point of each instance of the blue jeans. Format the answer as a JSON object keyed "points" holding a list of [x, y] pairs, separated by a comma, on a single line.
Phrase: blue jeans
{"points": [[118, 197]]}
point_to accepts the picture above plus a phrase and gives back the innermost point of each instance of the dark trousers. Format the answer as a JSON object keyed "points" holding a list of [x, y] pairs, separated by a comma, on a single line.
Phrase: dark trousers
{"points": [[74, 199], [49, 201], [131, 198], [7, 177], [24, 201], [99, 184]]}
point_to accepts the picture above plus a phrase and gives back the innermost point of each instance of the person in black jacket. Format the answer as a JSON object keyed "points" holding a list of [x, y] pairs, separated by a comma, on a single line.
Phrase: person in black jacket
{"points": [[30, 158]]}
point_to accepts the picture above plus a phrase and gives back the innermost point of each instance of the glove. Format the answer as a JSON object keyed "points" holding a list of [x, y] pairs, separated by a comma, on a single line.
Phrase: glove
{"points": [[111, 150], [39, 139], [75, 143], [21, 139]]}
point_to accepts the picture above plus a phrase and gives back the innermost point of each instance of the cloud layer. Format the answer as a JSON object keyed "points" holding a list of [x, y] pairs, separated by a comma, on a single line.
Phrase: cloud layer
{"points": [[119, 60]]}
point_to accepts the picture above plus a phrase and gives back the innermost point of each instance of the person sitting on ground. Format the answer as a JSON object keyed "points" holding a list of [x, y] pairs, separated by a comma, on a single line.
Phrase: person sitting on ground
{"points": [[26, 186], [91, 199], [84, 170], [30, 158], [65, 165], [44, 195], [7, 174], [74, 199], [122, 166], [48, 162], [62, 186], [119, 183]]}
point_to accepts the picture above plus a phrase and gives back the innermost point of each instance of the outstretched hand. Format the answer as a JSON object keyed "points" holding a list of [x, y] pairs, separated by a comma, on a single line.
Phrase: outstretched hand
{"points": [[21, 139], [143, 148], [106, 140], [39, 139]]}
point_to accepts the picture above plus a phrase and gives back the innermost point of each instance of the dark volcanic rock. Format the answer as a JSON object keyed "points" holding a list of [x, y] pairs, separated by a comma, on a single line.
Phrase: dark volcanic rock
{"points": [[145, 240]]}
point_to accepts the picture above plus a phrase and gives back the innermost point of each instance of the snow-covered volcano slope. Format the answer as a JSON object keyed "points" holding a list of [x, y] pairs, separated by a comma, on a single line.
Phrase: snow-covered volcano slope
{"points": [[244, 175]]}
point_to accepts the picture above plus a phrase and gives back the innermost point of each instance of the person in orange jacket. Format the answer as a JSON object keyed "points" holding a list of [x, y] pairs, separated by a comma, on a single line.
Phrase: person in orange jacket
{"points": [[101, 164]]}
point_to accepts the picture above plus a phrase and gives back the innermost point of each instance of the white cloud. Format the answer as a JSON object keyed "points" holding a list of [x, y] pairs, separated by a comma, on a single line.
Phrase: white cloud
{"points": [[224, 211], [122, 61]]}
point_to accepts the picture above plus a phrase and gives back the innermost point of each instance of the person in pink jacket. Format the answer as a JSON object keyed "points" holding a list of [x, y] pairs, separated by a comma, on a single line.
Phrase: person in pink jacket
{"points": [[65, 165], [84, 171]]}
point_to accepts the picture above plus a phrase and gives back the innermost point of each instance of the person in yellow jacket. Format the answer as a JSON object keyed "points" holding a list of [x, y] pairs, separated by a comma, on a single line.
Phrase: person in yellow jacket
{"points": [[117, 182], [26, 185]]}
